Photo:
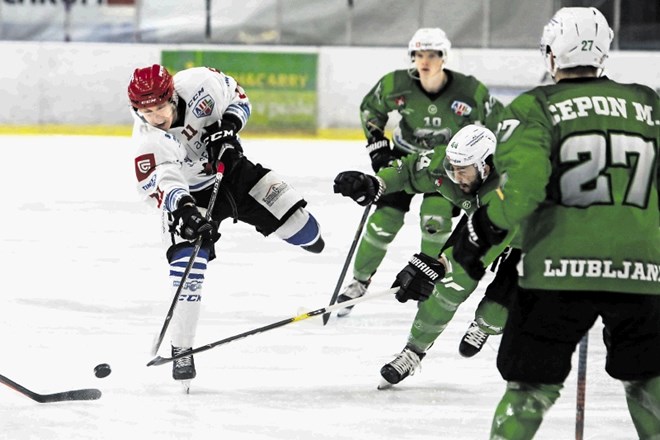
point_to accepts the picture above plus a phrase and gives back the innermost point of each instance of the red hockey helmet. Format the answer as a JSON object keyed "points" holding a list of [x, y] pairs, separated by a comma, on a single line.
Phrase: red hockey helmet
{"points": [[150, 86]]}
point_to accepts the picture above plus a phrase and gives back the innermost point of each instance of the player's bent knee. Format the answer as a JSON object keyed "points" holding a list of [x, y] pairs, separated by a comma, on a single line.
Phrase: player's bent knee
{"points": [[384, 224]]}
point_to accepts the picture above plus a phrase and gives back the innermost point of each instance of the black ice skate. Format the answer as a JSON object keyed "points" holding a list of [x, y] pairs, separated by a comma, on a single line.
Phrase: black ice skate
{"points": [[354, 290], [404, 365], [473, 340], [183, 368]]}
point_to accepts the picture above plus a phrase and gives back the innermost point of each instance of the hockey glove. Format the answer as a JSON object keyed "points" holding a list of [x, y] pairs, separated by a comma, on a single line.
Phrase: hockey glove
{"points": [[215, 136], [417, 280], [190, 224], [362, 188], [380, 152], [474, 239]]}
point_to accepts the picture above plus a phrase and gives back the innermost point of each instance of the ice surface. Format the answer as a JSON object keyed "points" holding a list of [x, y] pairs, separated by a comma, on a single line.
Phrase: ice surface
{"points": [[84, 281]]}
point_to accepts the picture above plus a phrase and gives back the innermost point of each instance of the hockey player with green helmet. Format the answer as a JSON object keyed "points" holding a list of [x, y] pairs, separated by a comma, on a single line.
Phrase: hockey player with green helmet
{"points": [[582, 176], [464, 174], [433, 103]]}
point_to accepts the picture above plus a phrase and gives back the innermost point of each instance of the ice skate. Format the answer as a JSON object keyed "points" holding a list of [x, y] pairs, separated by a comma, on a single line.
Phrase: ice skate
{"points": [[404, 365], [473, 340], [183, 368], [354, 290]]}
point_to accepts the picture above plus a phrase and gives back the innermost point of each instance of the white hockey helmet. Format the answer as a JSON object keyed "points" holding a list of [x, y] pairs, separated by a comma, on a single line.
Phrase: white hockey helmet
{"points": [[429, 39], [472, 145], [576, 37]]}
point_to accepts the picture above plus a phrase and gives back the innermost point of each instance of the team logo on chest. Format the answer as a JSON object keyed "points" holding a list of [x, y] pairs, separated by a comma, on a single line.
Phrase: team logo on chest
{"points": [[432, 109], [399, 101], [466, 205], [461, 108], [204, 106]]}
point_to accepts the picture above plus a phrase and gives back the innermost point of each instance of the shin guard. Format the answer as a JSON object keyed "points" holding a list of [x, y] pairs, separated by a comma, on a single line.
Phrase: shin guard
{"points": [[186, 314], [643, 398], [520, 412], [381, 228]]}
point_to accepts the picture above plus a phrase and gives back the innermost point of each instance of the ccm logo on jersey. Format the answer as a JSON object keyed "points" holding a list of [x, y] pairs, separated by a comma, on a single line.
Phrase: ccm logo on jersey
{"points": [[144, 165]]}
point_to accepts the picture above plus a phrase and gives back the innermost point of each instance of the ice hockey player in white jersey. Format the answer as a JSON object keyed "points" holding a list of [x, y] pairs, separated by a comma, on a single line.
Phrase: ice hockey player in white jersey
{"points": [[186, 129]]}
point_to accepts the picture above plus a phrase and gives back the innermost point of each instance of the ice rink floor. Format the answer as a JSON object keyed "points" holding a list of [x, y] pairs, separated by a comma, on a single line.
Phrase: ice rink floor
{"points": [[84, 281]]}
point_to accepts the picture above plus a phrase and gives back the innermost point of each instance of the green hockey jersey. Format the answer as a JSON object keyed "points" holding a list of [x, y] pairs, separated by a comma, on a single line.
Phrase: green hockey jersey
{"points": [[427, 120], [579, 161], [424, 173]]}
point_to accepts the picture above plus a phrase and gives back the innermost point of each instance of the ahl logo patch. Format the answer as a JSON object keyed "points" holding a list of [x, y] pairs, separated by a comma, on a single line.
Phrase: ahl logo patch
{"points": [[204, 106], [461, 108], [144, 165]]}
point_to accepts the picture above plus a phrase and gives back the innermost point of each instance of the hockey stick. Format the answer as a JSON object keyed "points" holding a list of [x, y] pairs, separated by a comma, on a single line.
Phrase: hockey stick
{"points": [[193, 256], [161, 360], [86, 394], [581, 387], [349, 257]]}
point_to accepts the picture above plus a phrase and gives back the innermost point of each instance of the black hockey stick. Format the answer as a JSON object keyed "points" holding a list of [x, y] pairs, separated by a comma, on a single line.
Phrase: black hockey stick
{"points": [[349, 257], [85, 394], [193, 256], [581, 387], [163, 360]]}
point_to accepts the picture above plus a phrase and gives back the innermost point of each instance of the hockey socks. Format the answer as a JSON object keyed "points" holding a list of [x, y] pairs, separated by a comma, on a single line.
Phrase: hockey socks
{"points": [[186, 314], [520, 412]]}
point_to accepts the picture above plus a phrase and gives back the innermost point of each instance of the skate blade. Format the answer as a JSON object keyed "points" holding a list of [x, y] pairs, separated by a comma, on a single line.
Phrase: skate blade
{"points": [[341, 313], [384, 385], [185, 384]]}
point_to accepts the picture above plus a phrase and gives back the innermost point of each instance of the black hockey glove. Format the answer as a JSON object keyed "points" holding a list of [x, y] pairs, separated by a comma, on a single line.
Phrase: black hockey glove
{"points": [[417, 279], [473, 240], [215, 137], [189, 223], [362, 188], [380, 152]]}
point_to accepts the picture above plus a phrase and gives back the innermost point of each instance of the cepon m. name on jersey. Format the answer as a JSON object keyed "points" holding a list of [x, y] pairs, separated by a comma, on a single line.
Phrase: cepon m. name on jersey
{"points": [[585, 106]]}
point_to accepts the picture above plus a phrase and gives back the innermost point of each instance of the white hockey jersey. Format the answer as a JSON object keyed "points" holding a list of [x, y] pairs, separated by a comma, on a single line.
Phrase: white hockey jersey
{"points": [[170, 164]]}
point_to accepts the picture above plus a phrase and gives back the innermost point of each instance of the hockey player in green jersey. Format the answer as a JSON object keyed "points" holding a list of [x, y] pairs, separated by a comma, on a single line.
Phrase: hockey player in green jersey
{"points": [[434, 103], [463, 173], [582, 176]]}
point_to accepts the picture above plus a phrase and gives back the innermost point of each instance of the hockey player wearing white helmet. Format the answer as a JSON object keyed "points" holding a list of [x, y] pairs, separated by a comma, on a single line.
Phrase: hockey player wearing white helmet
{"points": [[463, 173], [581, 164], [186, 125], [576, 37], [434, 103]]}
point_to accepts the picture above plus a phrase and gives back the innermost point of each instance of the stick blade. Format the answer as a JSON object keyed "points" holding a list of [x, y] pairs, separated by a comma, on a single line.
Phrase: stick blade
{"points": [[158, 360], [84, 394]]}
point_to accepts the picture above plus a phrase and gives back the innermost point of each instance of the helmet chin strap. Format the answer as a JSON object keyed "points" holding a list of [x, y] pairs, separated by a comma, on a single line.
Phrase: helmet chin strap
{"points": [[550, 64]]}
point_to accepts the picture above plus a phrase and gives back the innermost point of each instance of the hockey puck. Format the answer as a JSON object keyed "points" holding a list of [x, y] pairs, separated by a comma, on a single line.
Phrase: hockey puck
{"points": [[102, 370]]}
